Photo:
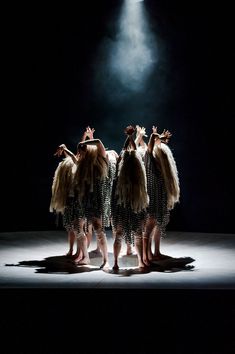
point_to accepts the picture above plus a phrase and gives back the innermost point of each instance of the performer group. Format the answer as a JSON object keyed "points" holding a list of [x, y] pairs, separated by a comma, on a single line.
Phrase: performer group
{"points": [[132, 192]]}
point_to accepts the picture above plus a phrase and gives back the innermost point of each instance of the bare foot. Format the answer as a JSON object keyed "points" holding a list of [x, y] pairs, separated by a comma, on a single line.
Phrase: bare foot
{"points": [[83, 261], [146, 263], [115, 267], [160, 257], [70, 253], [104, 265], [96, 252], [141, 265], [77, 257], [143, 269], [150, 256]]}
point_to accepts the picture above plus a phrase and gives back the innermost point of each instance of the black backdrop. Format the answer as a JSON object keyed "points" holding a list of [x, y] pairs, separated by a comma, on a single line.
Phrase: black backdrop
{"points": [[48, 97], [51, 57]]}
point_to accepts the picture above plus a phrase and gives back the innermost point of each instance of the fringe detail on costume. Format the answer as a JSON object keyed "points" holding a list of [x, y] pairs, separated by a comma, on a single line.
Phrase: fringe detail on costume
{"points": [[170, 173], [142, 150], [90, 167], [131, 186], [62, 184]]}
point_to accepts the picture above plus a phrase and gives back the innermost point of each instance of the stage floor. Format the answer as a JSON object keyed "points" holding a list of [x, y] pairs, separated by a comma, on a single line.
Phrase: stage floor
{"points": [[36, 260], [182, 306]]}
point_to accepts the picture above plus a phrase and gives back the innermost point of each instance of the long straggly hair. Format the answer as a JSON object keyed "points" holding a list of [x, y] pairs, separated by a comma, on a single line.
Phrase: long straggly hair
{"points": [[163, 154], [131, 186], [90, 166], [62, 184]]}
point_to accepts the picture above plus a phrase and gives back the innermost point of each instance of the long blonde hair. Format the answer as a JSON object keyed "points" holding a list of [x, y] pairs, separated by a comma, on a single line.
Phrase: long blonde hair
{"points": [[62, 185], [164, 156], [131, 186], [90, 166]]}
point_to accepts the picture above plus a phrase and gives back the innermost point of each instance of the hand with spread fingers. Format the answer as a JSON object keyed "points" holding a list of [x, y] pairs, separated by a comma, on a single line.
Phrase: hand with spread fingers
{"points": [[60, 150], [165, 136], [141, 131], [154, 129], [90, 132], [129, 130]]}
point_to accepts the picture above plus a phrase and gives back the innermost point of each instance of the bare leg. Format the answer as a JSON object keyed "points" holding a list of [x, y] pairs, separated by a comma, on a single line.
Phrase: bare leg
{"points": [[129, 250], [146, 240], [97, 250], [156, 238], [102, 242], [71, 240], [78, 255], [139, 250], [157, 256], [117, 245], [151, 237], [83, 257], [89, 235]]}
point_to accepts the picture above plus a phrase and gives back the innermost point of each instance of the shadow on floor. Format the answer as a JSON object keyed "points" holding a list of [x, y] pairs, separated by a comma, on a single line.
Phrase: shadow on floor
{"points": [[55, 264], [66, 265], [170, 265]]}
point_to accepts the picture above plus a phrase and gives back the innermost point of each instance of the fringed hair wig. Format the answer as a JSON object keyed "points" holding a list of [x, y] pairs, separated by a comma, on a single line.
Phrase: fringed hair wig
{"points": [[91, 165], [62, 184], [164, 156], [131, 186]]}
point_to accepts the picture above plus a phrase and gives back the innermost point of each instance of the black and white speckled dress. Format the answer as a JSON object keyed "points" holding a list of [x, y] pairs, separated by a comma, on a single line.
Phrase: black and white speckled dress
{"points": [[96, 204], [157, 193], [107, 187], [125, 217], [72, 213], [73, 210], [62, 199]]}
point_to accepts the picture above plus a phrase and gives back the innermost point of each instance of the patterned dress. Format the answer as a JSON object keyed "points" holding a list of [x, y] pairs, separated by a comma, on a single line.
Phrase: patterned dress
{"points": [[125, 217], [107, 187], [62, 199], [73, 210], [96, 203], [157, 208], [72, 213]]}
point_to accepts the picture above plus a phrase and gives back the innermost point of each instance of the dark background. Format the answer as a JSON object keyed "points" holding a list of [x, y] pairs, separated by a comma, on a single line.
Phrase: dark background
{"points": [[54, 61], [50, 57]]}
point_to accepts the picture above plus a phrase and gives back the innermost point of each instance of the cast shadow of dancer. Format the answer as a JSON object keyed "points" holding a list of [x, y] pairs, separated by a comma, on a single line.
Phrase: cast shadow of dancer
{"points": [[55, 265], [169, 265]]}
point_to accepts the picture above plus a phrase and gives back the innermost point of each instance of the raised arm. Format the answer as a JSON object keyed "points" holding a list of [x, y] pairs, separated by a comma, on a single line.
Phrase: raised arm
{"points": [[63, 149], [140, 133], [165, 136], [96, 142], [156, 138], [88, 134], [129, 140]]}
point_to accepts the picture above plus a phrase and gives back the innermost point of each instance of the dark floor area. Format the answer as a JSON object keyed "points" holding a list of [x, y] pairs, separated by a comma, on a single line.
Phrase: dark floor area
{"points": [[117, 321]]}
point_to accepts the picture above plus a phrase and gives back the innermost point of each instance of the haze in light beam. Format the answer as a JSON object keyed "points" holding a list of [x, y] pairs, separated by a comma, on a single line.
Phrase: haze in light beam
{"points": [[134, 53]]}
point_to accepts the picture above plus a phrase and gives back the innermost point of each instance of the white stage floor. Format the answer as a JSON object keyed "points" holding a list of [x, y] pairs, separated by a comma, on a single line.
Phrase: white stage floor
{"points": [[36, 259]]}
